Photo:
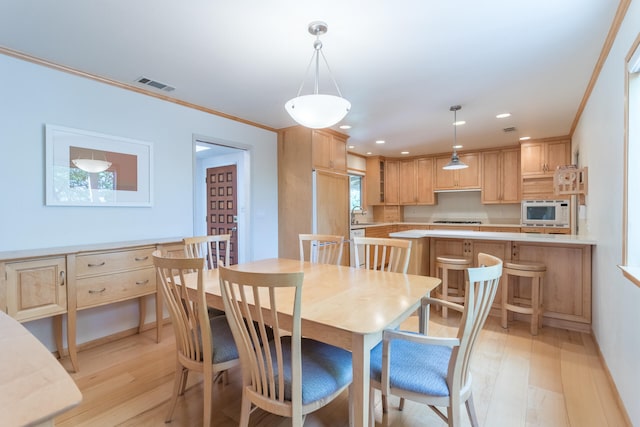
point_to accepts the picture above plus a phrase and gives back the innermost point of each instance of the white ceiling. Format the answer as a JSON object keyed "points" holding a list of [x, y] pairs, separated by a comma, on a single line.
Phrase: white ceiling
{"points": [[401, 64]]}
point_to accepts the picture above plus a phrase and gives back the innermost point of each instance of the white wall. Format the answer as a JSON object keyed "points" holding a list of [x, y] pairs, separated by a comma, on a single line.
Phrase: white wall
{"points": [[599, 139], [33, 96]]}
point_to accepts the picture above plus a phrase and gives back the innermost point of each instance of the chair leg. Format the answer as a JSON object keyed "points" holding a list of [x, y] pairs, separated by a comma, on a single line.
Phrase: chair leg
{"points": [[385, 404], [401, 405], [505, 299], [372, 412], [445, 291], [207, 407], [471, 410], [245, 410], [535, 305], [177, 387]]}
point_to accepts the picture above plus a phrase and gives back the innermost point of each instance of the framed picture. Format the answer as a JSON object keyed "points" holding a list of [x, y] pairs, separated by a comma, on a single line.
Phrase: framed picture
{"points": [[86, 168]]}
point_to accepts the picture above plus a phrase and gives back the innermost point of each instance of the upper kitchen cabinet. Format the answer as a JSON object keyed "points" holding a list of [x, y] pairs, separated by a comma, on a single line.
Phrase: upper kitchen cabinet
{"points": [[392, 182], [375, 177], [459, 179], [416, 182], [501, 176], [329, 150], [541, 158]]}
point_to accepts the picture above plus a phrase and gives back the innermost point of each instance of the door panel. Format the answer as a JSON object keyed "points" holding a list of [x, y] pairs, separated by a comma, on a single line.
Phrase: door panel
{"points": [[222, 205]]}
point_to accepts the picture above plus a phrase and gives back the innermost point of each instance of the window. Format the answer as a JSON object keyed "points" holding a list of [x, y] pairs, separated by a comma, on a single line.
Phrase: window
{"points": [[355, 192], [631, 208]]}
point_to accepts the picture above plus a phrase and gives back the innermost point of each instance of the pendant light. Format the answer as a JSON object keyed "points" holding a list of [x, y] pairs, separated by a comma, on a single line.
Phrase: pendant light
{"points": [[317, 110], [455, 162], [91, 165]]}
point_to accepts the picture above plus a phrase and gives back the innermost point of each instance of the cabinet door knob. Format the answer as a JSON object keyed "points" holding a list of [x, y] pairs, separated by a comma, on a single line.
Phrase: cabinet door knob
{"points": [[62, 278], [99, 291], [96, 265]]}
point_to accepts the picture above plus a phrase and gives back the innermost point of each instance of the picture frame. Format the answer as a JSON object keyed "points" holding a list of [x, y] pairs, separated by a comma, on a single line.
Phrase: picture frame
{"points": [[85, 168]]}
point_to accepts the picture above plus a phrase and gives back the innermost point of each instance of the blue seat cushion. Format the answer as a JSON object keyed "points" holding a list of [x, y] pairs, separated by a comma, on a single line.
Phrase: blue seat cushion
{"points": [[415, 367], [325, 369]]}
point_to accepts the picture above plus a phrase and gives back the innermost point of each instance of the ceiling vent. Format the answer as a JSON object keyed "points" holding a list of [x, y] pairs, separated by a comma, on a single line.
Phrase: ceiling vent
{"points": [[509, 129], [156, 84]]}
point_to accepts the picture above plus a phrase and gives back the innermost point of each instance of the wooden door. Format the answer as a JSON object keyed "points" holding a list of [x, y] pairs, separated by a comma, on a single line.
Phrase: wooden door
{"points": [[222, 205], [491, 177], [558, 154], [470, 176], [510, 169], [391, 184], [407, 186], [424, 174]]}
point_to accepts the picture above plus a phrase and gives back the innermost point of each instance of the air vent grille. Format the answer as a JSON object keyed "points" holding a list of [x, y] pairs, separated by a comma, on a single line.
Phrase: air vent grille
{"points": [[509, 129], [156, 84]]}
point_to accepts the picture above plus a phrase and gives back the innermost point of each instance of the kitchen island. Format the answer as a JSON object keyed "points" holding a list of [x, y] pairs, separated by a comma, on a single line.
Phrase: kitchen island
{"points": [[567, 283]]}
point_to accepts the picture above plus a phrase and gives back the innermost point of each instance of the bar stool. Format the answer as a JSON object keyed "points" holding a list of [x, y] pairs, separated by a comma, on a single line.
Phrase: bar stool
{"points": [[535, 271], [445, 263]]}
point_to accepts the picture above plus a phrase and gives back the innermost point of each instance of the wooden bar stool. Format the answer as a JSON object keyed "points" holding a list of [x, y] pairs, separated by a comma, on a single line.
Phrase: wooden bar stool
{"points": [[445, 263], [535, 271]]}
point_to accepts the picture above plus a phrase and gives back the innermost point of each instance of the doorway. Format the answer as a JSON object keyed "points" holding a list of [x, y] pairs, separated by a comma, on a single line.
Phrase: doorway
{"points": [[222, 206], [209, 155]]}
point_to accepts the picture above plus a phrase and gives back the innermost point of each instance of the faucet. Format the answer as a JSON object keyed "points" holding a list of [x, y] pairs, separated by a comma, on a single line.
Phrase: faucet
{"points": [[353, 215]]}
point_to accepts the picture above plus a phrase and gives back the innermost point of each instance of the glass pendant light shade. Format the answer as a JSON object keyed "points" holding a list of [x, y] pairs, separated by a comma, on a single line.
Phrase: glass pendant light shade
{"points": [[455, 162], [92, 165], [317, 111]]}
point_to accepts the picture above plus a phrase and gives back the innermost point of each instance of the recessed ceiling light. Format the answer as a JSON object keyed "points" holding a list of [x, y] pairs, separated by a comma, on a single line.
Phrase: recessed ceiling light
{"points": [[369, 153], [525, 138], [380, 141], [352, 146], [404, 152], [459, 123], [345, 126], [457, 147], [503, 115]]}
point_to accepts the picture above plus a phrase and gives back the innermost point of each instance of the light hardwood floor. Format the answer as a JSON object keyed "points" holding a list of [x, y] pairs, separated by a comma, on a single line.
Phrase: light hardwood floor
{"points": [[553, 379]]}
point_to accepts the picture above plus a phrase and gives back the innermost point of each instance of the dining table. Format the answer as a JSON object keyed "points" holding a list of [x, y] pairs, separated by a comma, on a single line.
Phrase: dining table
{"points": [[343, 306]]}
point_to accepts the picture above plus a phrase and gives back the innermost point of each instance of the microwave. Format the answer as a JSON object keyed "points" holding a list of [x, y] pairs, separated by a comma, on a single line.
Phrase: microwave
{"points": [[545, 213]]}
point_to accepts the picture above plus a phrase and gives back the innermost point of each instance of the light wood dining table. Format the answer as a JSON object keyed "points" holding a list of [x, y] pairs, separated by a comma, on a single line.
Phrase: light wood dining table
{"points": [[342, 306]]}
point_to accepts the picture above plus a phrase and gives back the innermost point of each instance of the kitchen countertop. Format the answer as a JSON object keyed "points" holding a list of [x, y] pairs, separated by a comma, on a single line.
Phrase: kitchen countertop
{"points": [[378, 224], [570, 239]]}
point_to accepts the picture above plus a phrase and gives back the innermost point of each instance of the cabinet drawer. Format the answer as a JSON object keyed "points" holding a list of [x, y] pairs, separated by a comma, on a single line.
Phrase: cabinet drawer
{"points": [[108, 262], [98, 290]]}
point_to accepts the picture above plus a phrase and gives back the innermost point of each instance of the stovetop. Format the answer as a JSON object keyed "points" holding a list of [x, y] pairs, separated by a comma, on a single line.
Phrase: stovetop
{"points": [[456, 222]]}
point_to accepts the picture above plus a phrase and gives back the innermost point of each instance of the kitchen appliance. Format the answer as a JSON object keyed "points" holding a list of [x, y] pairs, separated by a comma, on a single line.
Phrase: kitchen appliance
{"points": [[358, 232], [546, 213]]}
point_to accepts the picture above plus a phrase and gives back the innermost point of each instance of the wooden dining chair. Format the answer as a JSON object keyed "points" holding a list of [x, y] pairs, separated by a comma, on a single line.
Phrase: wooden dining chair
{"points": [[285, 374], [435, 370], [194, 329], [385, 254], [321, 248], [215, 249]]}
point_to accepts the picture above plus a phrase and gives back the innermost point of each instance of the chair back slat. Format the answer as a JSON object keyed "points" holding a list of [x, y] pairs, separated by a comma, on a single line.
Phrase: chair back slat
{"points": [[216, 249], [321, 248], [384, 254]]}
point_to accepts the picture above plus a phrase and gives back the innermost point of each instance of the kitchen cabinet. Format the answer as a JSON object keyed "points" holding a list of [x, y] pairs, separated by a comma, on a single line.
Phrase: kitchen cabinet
{"points": [[546, 230], [501, 176], [380, 231], [544, 156], [329, 150], [459, 179], [299, 182], [499, 229], [392, 182], [416, 182], [388, 213], [375, 176]]}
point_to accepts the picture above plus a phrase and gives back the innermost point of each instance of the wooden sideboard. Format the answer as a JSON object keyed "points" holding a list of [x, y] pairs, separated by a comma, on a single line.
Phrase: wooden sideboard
{"points": [[53, 282]]}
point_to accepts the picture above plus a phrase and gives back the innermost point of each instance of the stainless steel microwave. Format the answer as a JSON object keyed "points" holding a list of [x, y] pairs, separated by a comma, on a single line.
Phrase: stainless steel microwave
{"points": [[545, 213]]}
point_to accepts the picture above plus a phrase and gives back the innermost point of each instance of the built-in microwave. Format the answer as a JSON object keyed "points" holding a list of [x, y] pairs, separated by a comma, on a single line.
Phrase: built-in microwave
{"points": [[546, 213]]}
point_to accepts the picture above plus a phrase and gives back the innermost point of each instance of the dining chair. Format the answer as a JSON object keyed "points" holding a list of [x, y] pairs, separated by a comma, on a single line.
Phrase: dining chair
{"points": [[287, 375], [385, 254], [436, 370], [321, 248], [215, 249], [203, 344]]}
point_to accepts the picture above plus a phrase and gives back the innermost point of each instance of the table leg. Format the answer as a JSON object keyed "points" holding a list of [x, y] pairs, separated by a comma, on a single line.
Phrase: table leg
{"points": [[361, 359]]}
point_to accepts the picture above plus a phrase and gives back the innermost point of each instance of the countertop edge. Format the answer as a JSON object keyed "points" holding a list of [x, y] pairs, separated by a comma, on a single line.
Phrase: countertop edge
{"points": [[489, 235]]}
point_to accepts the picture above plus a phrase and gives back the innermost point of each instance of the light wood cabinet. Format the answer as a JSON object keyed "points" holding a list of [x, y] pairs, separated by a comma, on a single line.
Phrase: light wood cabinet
{"points": [[380, 231], [375, 176], [329, 151], [459, 179], [543, 157], [36, 288], [501, 176], [416, 182], [546, 230], [392, 182], [298, 154]]}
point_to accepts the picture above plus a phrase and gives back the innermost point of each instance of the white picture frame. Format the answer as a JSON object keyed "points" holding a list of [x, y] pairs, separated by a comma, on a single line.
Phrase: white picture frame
{"points": [[128, 181]]}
